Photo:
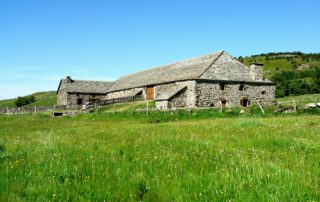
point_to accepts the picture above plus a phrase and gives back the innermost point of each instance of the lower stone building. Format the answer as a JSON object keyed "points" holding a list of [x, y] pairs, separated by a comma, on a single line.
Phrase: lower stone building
{"points": [[78, 92], [214, 80]]}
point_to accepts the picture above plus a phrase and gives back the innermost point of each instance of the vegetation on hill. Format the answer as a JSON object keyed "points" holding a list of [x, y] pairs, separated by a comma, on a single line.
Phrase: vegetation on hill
{"points": [[161, 157], [41, 99], [295, 73], [297, 82], [22, 101], [283, 61]]}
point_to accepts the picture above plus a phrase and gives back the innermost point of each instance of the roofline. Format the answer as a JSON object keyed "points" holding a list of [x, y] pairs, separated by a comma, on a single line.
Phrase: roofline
{"points": [[163, 66], [59, 87], [75, 92], [94, 81], [57, 91], [269, 83], [221, 53], [173, 63]]}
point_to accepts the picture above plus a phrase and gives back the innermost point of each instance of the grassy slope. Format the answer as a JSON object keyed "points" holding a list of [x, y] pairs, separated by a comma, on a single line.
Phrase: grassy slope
{"points": [[114, 157], [270, 66], [42, 99], [301, 99]]}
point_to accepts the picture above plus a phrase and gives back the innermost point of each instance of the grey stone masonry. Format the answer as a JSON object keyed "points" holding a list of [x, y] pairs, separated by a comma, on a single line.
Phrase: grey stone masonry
{"points": [[184, 97], [210, 94], [256, 71], [79, 99]]}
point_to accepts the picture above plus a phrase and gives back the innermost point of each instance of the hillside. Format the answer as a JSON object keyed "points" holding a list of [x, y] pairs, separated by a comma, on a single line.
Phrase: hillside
{"points": [[283, 61], [42, 99]]}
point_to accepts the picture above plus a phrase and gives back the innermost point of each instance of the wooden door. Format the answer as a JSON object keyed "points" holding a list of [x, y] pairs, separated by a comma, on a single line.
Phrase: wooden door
{"points": [[150, 92]]}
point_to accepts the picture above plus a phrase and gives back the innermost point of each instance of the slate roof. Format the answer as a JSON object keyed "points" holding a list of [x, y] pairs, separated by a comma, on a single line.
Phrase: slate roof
{"points": [[185, 70], [90, 87]]}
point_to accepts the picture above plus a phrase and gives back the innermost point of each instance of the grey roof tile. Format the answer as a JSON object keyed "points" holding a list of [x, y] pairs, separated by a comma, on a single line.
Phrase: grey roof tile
{"points": [[80, 86], [184, 70]]}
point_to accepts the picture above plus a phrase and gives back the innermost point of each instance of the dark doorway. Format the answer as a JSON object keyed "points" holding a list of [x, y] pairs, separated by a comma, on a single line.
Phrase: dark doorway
{"points": [[244, 102], [79, 101], [223, 103]]}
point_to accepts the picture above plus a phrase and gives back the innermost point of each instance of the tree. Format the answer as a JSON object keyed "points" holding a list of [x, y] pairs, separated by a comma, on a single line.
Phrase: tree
{"points": [[21, 101]]}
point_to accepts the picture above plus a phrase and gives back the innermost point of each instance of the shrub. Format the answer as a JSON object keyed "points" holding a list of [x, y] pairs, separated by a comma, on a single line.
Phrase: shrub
{"points": [[21, 101], [2, 147]]}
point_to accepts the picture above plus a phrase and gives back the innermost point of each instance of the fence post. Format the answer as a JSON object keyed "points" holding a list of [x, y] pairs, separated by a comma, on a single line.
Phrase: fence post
{"points": [[35, 109], [295, 106], [7, 110], [260, 107], [147, 108]]}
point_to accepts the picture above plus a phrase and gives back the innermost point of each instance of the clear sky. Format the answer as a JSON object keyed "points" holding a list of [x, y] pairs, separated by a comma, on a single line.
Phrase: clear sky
{"points": [[42, 41]]}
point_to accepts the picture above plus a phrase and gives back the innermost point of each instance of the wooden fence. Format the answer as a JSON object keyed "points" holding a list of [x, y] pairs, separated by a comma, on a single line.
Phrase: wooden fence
{"points": [[88, 106], [93, 105]]}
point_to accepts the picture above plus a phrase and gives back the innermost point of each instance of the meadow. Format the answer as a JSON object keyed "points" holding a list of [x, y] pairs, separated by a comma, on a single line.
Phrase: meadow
{"points": [[177, 156]]}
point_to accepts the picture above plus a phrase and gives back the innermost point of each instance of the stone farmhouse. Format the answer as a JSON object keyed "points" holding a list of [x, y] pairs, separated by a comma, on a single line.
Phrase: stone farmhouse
{"points": [[214, 80], [77, 92]]}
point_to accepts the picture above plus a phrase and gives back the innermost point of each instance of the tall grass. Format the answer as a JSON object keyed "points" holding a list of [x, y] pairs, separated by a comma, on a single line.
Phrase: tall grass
{"points": [[183, 156]]}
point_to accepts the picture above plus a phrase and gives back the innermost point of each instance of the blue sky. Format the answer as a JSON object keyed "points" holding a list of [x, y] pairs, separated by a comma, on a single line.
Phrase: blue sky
{"points": [[42, 41]]}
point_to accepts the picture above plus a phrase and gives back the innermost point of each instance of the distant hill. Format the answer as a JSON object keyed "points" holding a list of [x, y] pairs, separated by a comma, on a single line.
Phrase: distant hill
{"points": [[283, 61], [42, 99]]}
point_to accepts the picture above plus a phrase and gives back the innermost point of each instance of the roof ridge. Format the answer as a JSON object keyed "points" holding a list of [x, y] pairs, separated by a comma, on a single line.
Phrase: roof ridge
{"points": [[221, 53], [174, 63], [93, 81]]}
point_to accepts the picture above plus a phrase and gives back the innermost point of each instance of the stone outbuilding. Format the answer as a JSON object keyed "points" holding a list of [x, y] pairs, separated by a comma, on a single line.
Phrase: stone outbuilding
{"points": [[78, 92], [214, 80]]}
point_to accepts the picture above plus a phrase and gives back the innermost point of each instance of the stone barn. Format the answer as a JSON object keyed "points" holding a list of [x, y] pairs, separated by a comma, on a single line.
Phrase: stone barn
{"points": [[78, 92], [214, 80]]}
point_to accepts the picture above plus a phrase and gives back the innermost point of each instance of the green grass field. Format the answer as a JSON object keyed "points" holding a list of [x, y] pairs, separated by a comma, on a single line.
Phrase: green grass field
{"points": [[177, 156], [300, 99], [42, 99]]}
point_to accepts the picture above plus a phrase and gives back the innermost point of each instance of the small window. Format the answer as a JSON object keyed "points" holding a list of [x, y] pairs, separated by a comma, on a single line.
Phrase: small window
{"points": [[79, 101], [263, 92], [241, 87], [221, 86]]}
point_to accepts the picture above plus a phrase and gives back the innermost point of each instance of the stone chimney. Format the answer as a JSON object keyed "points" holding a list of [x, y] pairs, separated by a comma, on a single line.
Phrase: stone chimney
{"points": [[68, 79], [256, 71]]}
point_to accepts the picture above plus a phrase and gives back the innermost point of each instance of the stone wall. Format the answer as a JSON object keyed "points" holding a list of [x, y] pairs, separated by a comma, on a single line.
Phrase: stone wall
{"points": [[185, 98], [210, 95], [179, 100], [72, 98], [162, 104], [62, 98]]}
